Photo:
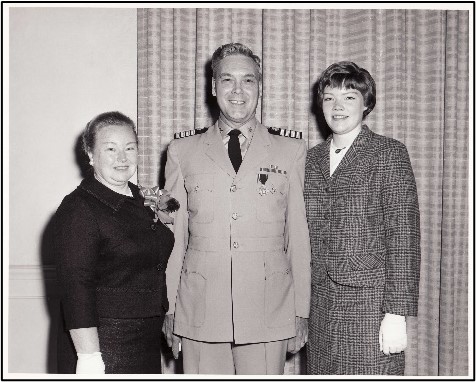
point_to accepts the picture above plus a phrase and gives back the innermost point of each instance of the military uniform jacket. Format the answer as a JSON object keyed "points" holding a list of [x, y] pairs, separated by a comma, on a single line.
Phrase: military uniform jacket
{"points": [[240, 267]]}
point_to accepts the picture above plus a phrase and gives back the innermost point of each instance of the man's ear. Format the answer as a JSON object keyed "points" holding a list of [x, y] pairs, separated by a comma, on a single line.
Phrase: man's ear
{"points": [[214, 92]]}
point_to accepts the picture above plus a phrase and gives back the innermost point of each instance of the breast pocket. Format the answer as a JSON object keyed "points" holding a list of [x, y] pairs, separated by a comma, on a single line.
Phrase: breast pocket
{"points": [[271, 197], [200, 197]]}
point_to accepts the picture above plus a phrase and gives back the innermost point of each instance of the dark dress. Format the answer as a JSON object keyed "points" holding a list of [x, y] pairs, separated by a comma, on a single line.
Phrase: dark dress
{"points": [[364, 227], [111, 260]]}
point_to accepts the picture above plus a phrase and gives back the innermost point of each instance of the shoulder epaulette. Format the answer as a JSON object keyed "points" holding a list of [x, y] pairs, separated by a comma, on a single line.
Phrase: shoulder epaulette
{"points": [[285, 132], [189, 133]]}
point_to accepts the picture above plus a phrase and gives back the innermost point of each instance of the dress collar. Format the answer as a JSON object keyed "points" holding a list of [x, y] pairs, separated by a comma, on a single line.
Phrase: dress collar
{"points": [[107, 196], [363, 132]]}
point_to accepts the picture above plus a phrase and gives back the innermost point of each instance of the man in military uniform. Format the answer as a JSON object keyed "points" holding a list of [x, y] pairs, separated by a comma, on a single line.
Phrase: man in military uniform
{"points": [[239, 276]]}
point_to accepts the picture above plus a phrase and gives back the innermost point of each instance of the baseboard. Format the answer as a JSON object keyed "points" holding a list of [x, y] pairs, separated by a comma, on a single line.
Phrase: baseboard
{"points": [[32, 281]]}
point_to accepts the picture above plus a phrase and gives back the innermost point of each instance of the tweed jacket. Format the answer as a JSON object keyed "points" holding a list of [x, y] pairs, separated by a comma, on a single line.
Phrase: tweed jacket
{"points": [[240, 267], [364, 220]]}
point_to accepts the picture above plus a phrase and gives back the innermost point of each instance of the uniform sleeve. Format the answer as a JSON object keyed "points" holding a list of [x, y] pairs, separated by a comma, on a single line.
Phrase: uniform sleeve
{"points": [[174, 182], [297, 241], [402, 234], [76, 241]]}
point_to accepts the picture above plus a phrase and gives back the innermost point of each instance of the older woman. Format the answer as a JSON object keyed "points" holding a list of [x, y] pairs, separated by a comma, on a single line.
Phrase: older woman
{"points": [[363, 217], [111, 260]]}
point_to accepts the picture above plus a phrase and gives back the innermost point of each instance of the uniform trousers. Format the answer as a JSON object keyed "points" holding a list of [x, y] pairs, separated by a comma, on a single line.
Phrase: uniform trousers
{"points": [[264, 358]]}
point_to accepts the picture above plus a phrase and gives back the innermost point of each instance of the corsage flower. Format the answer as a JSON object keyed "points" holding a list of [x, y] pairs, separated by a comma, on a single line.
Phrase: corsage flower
{"points": [[160, 202]]}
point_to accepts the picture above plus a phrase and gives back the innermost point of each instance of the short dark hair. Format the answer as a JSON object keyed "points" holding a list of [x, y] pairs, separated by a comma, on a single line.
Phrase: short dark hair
{"points": [[234, 48], [110, 118], [346, 74]]}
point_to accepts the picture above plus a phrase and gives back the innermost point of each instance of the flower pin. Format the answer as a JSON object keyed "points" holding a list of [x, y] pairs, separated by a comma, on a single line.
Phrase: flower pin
{"points": [[160, 202]]}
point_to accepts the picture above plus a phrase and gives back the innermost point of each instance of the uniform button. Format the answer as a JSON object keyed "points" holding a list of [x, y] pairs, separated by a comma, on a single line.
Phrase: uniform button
{"points": [[153, 227], [159, 267], [233, 188], [235, 244], [234, 216]]}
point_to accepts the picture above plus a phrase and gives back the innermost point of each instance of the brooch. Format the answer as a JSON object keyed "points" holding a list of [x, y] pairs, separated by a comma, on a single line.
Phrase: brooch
{"points": [[160, 202]]}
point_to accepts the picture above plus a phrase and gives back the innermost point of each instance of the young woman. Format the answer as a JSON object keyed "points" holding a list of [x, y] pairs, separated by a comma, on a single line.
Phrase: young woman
{"points": [[362, 209]]}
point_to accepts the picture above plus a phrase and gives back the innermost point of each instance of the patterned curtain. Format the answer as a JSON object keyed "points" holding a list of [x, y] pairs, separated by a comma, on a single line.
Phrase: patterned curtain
{"points": [[419, 60]]}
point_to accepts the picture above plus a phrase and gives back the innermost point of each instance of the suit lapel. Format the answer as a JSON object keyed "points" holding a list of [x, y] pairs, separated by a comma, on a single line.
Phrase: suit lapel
{"points": [[215, 150], [355, 150], [258, 150], [321, 161]]}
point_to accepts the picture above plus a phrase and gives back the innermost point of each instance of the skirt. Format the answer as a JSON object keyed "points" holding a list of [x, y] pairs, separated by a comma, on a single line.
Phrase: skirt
{"points": [[344, 326], [128, 346]]}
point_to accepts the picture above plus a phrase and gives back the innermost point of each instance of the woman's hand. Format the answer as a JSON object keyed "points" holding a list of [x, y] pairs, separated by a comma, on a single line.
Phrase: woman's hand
{"points": [[86, 344], [393, 334], [90, 364]]}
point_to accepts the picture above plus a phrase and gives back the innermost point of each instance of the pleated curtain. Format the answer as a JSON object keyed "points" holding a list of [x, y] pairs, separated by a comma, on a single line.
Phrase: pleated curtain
{"points": [[419, 60]]}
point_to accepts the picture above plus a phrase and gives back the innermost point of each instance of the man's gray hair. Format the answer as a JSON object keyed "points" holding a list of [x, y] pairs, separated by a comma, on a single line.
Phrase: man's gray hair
{"points": [[234, 48]]}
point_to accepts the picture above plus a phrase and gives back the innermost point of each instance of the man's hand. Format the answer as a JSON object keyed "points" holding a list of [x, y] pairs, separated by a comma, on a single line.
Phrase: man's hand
{"points": [[393, 334], [296, 343], [172, 340]]}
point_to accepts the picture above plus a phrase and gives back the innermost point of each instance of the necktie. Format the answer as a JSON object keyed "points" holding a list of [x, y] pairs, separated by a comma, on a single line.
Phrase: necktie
{"points": [[234, 150]]}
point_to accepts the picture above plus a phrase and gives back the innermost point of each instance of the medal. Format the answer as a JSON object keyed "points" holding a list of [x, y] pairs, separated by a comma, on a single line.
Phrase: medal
{"points": [[262, 179]]}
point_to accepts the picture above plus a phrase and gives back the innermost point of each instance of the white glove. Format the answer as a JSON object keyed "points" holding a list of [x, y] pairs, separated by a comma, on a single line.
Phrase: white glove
{"points": [[90, 363], [393, 334]]}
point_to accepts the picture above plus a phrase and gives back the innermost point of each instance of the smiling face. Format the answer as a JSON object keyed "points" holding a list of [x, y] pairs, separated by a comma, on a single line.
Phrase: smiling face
{"points": [[237, 88], [114, 156], [343, 109]]}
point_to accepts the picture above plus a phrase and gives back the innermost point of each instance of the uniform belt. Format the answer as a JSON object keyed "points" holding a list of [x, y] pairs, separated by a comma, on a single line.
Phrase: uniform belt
{"points": [[248, 244]]}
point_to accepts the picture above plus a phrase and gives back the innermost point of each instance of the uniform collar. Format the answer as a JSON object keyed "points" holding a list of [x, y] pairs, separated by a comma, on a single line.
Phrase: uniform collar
{"points": [[107, 196], [247, 129]]}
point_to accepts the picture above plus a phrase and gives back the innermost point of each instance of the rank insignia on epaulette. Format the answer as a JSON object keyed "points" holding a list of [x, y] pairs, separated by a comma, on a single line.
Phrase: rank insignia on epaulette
{"points": [[285, 132], [189, 133], [183, 134]]}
